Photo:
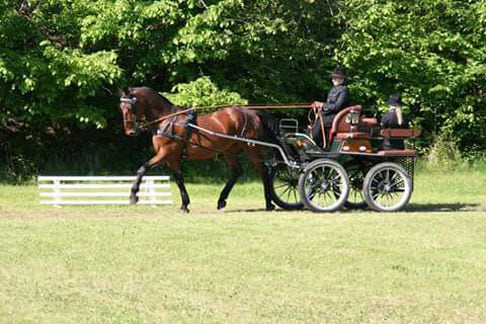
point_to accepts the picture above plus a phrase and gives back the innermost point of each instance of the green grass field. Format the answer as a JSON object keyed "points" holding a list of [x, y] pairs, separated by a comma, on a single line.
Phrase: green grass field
{"points": [[151, 265]]}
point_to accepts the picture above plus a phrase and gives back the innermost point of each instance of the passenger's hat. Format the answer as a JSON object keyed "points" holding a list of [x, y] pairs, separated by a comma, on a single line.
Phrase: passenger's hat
{"points": [[339, 72], [394, 100]]}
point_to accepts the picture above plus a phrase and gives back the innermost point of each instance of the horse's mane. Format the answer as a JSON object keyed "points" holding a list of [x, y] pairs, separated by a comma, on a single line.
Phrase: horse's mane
{"points": [[165, 101]]}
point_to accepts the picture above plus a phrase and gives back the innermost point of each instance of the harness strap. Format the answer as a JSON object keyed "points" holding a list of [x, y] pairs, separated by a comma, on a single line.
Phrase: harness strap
{"points": [[191, 119], [317, 118], [245, 116]]}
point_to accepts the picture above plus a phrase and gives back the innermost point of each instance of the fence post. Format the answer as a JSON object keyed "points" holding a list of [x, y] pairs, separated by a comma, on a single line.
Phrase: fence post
{"points": [[57, 193], [151, 190]]}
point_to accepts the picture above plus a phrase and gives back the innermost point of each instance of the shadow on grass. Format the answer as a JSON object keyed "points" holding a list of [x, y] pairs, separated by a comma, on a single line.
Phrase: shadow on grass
{"points": [[454, 207], [411, 208]]}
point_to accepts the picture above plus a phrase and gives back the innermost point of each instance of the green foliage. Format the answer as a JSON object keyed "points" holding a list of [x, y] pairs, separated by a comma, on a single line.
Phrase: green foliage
{"points": [[202, 92], [44, 76], [443, 154], [62, 61], [433, 52]]}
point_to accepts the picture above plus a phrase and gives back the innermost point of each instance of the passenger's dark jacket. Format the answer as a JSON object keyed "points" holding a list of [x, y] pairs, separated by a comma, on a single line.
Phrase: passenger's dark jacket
{"points": [[390, 120], [337, 99]]}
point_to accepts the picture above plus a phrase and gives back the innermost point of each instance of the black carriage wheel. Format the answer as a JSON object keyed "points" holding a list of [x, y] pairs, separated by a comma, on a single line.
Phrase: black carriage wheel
{"points": [[284, 181], [324, 186], [387, 187], [356, 174]]}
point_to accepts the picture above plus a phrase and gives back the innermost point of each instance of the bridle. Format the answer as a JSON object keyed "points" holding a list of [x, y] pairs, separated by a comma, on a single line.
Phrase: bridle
{"points": [[132, 101]]}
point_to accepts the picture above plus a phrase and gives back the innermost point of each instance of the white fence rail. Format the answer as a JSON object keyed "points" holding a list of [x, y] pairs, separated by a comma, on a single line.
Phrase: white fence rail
{"points": [[102, 190]]}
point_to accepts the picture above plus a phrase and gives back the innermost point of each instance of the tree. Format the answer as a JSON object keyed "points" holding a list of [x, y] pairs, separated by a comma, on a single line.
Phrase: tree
{"points": [[265, 50], [45, 76], [62, 61], [433, 52]]}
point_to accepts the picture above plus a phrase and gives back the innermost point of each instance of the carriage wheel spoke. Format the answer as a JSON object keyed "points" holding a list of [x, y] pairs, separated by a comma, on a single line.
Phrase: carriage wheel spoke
{"points": [[324, 186]]}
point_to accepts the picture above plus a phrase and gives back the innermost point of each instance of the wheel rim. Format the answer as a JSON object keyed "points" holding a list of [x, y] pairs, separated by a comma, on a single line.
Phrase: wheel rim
{"points": [[285, 184], [389, 188], [325, 187]]}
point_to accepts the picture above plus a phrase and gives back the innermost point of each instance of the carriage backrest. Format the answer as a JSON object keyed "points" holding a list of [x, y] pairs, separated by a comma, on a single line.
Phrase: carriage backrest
{"points": [[340, 124]]}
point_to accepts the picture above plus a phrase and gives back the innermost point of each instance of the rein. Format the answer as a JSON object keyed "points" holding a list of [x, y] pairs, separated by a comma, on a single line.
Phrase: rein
{"points": [[317, 118], [255, 107]]}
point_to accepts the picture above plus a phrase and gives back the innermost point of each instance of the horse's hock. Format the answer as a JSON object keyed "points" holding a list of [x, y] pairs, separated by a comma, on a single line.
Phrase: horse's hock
{"points": [[102, 190]]}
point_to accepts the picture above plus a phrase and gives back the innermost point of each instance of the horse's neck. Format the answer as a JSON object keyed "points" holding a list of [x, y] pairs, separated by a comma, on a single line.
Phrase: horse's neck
{"points": [[154, 105], [161, 110]]}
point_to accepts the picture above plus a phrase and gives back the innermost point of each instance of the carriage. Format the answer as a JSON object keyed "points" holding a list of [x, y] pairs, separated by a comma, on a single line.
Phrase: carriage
{"points": [[351, 170]]}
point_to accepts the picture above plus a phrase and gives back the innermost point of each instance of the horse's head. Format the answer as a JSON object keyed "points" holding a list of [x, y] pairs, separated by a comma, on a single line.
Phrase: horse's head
{"points": [[131, 115], [143, 105]]}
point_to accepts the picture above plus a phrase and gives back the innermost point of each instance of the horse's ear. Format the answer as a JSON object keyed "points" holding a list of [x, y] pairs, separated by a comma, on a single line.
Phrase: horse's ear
{"points": [[124, 91]]}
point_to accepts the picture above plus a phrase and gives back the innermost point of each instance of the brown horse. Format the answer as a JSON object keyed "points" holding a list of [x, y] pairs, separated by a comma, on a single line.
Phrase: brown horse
{"points": [[173, 140]]}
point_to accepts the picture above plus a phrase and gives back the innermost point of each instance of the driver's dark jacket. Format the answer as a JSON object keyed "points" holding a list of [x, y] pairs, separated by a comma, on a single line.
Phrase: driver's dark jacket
{"points": [[337, 99]]}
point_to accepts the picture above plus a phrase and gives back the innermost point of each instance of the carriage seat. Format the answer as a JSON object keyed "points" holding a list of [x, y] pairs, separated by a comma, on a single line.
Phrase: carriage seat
{"points": [[400, 133], [369, 121], [394, 138], [341, 127]]}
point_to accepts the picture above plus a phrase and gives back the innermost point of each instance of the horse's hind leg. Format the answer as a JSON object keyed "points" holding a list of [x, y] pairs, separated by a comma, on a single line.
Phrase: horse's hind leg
{"points": [[254, 153], [236, 170]]}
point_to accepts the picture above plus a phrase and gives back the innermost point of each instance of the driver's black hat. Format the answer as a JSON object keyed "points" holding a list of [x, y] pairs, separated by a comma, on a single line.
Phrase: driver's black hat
{"points": [[339, 72]]}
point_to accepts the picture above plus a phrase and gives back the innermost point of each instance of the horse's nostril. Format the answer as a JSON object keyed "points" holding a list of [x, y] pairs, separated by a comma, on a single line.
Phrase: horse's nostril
{"points": [[131, 132]]}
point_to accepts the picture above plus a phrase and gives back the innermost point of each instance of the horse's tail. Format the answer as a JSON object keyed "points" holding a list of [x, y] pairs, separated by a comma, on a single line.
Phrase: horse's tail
{"points": [[259, 126], [269, 127]]}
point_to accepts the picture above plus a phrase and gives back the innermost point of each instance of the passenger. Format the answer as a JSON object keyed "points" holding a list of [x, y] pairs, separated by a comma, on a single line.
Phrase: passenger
{"points": [[337, 99], [394, 118]]}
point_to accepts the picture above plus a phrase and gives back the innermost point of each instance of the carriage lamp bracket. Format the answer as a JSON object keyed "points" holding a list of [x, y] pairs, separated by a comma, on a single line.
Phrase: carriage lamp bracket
{"points": [[353, 118]]}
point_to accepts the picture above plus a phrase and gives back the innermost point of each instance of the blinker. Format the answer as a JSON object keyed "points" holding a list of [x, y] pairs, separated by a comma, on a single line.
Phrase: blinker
{"points": [[132, 101]]}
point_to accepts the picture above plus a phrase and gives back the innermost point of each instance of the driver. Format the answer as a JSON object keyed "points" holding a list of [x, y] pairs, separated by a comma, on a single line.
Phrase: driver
{"points": [[337, 99]]}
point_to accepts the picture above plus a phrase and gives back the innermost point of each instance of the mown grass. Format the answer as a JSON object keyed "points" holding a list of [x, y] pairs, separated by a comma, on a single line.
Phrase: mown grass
{"points": [[143, 264]]}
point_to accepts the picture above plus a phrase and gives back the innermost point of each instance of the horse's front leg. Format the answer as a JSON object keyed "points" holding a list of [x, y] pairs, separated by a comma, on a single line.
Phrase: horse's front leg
{"points": [[136, 184], [159, 157]]}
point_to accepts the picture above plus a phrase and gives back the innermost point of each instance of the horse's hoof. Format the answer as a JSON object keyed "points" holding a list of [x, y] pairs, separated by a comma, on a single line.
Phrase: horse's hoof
{"points": [[221, 204], [270, 207], [185, 210], [133, 201]]}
